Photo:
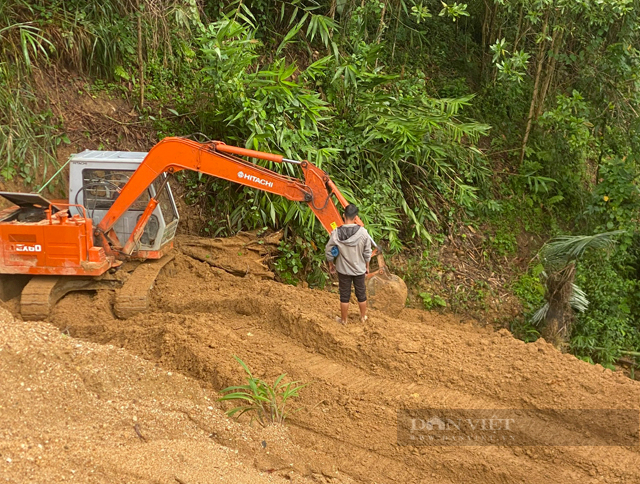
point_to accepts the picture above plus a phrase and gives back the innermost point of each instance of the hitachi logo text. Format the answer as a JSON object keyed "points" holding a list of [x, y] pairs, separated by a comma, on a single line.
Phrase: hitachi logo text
{"points": [[28, 248], [255, 179]]}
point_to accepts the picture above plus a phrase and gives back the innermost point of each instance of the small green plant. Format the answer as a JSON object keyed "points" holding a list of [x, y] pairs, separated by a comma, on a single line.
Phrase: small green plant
{"points": [[301, 260], [530, 290], [503, 242], [289, 264], [454, 11], [267, 402], [431, 301], [420, 12], [525, 330]]}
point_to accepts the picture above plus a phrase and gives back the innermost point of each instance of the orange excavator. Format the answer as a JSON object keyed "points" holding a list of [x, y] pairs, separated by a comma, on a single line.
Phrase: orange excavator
{"points": [[117, 229]]}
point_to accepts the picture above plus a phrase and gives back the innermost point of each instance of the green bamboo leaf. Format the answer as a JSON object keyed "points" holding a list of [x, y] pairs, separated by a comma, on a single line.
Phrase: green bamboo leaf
{"points": [[278, 380], [244, 366]]}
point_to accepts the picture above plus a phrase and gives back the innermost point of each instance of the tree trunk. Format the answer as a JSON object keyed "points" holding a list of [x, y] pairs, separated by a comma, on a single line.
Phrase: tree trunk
{"points": [[536, 87], [381, 24], [395, 31], [380, 28], [603, 131], [519, 30], [486, 32], [140, 61], [559, 318], [332, 9], [556, 41]]}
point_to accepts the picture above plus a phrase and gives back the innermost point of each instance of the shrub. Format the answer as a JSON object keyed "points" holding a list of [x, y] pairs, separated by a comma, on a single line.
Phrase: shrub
{"points": [[431, 301]]}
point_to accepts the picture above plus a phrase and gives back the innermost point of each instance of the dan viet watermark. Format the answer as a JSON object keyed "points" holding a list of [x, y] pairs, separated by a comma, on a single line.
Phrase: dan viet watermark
{"points": [[552, 427]]}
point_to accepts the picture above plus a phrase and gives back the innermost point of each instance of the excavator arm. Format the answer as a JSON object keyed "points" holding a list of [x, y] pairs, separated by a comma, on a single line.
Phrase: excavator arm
{"points": [[217, 159]]}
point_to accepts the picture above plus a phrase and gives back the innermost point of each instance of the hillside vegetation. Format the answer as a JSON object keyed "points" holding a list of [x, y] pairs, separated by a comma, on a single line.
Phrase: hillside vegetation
{"points": [[468, 133]]}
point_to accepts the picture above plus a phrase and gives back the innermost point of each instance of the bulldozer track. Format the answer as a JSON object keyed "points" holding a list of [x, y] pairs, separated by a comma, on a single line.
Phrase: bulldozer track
{"points": [[133, 297]]}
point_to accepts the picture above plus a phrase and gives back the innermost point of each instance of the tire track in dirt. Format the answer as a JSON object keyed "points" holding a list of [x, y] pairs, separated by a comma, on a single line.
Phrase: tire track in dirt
{"points": [[362, 375]]}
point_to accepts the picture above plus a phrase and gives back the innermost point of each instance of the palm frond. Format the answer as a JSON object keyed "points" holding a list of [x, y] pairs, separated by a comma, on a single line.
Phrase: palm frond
{"points": [[565, 249], [540, 314], [578, 300]]}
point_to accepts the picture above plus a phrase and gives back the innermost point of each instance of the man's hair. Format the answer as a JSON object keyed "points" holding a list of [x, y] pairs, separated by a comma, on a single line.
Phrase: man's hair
{"points": [[350, 211]]}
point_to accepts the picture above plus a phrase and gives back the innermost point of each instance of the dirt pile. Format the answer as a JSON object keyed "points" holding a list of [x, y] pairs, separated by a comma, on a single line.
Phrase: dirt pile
{"points": [[360, 376], [241, 255], [75, 411]]}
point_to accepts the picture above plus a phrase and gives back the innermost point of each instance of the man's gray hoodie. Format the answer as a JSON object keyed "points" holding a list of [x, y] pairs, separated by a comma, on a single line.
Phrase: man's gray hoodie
{"points": [[354, 244]]}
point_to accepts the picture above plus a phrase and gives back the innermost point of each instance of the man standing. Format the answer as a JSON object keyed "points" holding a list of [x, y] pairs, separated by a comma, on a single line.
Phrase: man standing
{"points": [[349, 252]]}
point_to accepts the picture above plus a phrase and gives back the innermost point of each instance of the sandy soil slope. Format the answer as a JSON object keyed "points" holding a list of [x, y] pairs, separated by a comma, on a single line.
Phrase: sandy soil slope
{"points": [[73, 411], [361, 375]]}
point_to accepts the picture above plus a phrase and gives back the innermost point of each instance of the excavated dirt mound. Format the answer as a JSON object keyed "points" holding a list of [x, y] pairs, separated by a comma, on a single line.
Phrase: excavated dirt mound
{"points": [[240, 255], [75, 411], [360, 376]]}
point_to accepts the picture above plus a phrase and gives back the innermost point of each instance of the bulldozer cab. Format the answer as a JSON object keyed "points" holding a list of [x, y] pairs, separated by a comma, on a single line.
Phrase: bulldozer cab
{"points": [[96, 179]]}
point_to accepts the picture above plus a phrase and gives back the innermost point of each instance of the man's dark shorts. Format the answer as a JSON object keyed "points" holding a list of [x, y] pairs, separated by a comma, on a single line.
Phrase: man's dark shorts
{"points": [[344, 285]]}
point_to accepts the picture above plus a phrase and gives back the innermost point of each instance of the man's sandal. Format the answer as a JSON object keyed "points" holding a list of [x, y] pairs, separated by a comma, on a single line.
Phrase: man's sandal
{"points": [[364, 320], [339, 320]]}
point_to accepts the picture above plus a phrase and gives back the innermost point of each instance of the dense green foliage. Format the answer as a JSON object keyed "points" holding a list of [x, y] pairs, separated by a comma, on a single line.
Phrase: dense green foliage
{"points": [[517, 117]]}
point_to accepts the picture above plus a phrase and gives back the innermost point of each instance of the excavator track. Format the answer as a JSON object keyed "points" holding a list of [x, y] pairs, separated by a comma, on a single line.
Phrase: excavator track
{"points": [[11, 285], [35, 302], [133, 297], [42, 292]]}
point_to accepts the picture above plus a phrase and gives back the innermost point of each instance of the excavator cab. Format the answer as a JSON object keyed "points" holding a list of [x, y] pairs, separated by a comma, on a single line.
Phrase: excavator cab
{"points": [[96, 179]]}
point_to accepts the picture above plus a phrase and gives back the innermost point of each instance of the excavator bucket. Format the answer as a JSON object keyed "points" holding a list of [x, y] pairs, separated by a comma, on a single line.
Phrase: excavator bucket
{"points": [[386, 292]]}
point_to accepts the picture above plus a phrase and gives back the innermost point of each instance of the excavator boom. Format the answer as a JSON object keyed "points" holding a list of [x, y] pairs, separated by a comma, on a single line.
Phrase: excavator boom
{"points": [[217, 159]]}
